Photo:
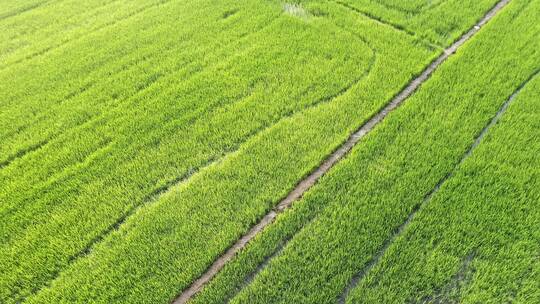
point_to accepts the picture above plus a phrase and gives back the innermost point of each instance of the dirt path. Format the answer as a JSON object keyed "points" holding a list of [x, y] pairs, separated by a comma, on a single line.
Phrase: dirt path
{"points": [[334, 158]]}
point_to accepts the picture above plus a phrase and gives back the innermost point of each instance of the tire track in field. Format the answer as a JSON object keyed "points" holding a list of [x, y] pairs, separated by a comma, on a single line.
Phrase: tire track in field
{"points": [[401, 228], [24, 151], [306, 183], [213, 160], [82, 35]]}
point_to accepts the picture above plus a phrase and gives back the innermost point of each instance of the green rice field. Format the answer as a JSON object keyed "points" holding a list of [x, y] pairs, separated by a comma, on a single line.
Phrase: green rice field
{"points": [[337, 151]]}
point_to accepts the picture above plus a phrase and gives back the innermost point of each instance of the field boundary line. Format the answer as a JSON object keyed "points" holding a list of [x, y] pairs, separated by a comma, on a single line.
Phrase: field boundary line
{"points": [[306, 183], [401, 228], [377, 19], [421, 9]]}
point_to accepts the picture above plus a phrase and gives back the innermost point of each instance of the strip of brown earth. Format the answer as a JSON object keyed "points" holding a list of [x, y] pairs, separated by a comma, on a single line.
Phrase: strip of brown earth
{"points": [[335, 157], [401, 228]]}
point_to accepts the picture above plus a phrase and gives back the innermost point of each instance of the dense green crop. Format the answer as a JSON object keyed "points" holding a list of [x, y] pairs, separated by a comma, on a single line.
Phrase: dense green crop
{"points": [[140, 139], [478, 238], [386, 177], [76, 83], [60, 199], [206, 214]]}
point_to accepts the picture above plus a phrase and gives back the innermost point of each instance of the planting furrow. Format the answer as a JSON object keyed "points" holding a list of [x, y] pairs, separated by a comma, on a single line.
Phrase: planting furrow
{"points": [[401, 228], [334, 158]]}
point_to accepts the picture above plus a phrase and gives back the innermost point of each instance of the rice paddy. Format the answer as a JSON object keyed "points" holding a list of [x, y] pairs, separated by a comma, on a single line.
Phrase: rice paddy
{"points": [[143, 141]]}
